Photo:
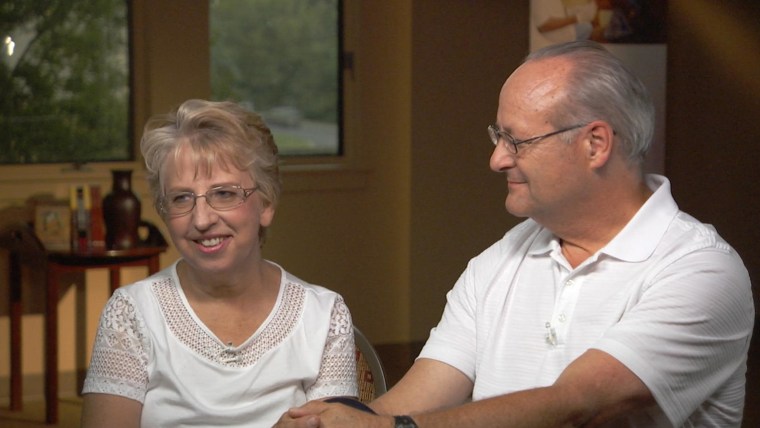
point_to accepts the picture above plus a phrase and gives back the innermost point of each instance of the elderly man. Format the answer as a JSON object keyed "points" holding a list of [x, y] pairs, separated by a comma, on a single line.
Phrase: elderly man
{"points": [[607, 306]]}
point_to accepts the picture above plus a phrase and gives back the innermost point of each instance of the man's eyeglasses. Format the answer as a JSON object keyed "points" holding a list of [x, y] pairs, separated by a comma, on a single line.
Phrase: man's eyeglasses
{"points": [[511, 142], [221, 198]]}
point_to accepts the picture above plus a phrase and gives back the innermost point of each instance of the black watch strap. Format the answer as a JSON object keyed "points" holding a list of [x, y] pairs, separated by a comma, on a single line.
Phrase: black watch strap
{"points": [[404, 422]]}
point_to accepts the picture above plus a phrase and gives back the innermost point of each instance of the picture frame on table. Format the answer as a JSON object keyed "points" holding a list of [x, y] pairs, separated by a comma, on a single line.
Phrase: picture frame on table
{"points": [[52, 225]]}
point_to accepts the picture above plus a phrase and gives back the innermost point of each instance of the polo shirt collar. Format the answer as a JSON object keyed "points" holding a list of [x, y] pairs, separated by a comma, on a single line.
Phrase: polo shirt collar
{"points": [[639, 238]]}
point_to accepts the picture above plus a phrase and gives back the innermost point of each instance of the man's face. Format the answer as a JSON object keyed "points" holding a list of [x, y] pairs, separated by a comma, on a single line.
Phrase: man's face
{"points": [[546, 177]]}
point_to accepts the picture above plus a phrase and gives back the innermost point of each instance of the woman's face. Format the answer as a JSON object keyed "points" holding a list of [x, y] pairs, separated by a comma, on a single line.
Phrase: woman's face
{"points": [[212, 241]]}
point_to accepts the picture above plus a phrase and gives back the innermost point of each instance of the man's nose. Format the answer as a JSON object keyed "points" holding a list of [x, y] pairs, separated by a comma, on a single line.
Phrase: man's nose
{"points": [[501, 158]]}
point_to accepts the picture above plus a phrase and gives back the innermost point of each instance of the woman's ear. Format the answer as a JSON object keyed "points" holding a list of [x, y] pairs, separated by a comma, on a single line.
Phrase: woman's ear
{"points": [[266, 214]]}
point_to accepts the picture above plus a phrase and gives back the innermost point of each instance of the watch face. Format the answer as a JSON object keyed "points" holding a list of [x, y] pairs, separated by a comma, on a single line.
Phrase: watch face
{"points": [[404, 422]]}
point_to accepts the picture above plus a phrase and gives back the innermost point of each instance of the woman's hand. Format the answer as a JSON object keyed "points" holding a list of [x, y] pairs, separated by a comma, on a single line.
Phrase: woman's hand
{"points": [[328, 415]]}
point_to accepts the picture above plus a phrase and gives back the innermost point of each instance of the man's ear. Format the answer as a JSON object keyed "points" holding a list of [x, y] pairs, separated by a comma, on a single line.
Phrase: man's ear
{"points": [[600, 143]]}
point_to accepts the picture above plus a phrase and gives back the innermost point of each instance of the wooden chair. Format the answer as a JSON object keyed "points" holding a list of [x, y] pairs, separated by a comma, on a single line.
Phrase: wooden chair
{"points": [[369, 369]]}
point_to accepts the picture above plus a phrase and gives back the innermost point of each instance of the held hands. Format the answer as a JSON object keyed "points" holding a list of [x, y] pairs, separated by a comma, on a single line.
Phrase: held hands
{"points": [[299, 417], [316, 414]]}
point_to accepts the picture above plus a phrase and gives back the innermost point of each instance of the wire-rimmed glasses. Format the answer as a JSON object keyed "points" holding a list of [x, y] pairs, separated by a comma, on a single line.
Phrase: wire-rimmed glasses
{"points": [[511, 142], [220, 198]]}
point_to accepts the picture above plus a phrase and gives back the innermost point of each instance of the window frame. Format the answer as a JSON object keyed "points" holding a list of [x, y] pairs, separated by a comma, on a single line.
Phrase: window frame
{"points": [[347, 171]]}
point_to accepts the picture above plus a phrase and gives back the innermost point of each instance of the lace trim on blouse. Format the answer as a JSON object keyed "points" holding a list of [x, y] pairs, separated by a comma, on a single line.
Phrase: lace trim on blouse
{"points": [[202, 342], [337, 376], [119, 359], [120, 356]]}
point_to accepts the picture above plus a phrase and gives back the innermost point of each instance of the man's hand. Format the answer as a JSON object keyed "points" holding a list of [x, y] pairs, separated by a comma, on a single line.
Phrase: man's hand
{"points": [[306, 416], [328, 415]]}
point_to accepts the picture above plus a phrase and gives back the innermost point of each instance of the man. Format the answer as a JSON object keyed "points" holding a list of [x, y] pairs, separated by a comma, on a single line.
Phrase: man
{"points": [[606, 307]]}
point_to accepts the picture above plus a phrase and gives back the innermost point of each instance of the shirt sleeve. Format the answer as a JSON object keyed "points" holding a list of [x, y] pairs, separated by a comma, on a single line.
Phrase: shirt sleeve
{"points": [[689, 333], [120, 355], [458, 337], [454, 340], [337, 373]]}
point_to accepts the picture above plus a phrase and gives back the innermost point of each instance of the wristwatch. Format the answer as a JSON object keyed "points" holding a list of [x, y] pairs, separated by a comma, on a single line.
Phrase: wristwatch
{"points": [[404, 422]]}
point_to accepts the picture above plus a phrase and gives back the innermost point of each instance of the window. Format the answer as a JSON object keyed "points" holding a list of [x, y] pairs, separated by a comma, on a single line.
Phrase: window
{"points": [[281, 58], [64, 80]]}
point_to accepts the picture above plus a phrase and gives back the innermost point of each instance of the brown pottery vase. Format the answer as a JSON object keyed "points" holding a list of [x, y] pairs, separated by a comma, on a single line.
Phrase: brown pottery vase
{"points": [[121, 213]]}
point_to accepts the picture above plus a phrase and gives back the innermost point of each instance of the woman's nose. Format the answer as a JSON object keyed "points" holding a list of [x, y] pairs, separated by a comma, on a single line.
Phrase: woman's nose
{"points": [[203, 215]]}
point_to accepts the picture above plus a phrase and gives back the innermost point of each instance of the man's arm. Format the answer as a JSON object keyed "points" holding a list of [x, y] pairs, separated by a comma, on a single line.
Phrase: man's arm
{"points": [[428, 385], [594, 389]]}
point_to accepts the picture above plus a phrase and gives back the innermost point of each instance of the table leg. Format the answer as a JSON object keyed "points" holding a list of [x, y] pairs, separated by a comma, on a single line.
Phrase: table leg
{"points": [[153, 265], [81, 333], [16, 311], [115, 278], [51, 346]]}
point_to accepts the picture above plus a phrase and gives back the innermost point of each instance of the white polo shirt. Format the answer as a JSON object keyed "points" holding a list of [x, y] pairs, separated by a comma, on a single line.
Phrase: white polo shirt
{"points": [[667, 297]]}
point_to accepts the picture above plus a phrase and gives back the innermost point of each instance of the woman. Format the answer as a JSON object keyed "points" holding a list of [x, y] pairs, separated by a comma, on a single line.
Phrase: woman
{"points": [[222, 337]]}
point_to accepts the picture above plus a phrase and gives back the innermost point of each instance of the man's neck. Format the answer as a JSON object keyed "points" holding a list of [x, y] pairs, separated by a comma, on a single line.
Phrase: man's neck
{"points": [[582, 236]]}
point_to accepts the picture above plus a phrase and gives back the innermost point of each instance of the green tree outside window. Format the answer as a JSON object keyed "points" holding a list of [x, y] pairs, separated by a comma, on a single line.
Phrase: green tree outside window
{"points": [[64, 80], [281, 59]]}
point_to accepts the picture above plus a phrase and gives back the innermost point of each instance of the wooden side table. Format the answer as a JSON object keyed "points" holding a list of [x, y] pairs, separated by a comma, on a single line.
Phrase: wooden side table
{"points": [[58, 263]]}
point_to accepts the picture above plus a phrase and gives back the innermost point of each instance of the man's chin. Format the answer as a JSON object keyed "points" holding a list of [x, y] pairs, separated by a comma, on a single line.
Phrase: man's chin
{"points": [[516, 209]]}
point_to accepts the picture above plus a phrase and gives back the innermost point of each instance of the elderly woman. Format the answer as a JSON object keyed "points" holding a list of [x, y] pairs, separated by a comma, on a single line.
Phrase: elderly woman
{"points": [[221, 337]]}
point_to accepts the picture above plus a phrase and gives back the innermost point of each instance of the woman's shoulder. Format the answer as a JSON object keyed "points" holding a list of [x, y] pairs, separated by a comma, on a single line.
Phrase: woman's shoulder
{"points": [[291, 280], [145, 287], [312, 296], [309, 288]]}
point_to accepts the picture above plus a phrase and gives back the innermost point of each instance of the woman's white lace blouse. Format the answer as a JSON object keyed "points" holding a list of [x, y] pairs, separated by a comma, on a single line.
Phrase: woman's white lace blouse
{"points": [[151, 347]]}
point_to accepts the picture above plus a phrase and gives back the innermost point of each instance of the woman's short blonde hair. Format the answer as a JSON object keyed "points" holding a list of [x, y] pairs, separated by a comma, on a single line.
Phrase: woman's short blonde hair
{"points": [[216, 135]]}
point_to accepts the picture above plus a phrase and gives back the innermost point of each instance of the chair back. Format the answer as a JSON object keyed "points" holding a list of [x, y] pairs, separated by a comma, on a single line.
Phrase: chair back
{"points": [[369, 369]]}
